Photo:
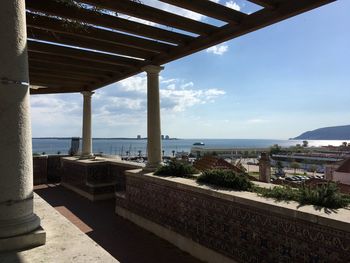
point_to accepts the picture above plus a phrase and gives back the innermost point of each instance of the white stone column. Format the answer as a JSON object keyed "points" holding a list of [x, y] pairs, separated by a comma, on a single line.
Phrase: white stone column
{"points": [[87, 138], [154, 142], [18, 223]]}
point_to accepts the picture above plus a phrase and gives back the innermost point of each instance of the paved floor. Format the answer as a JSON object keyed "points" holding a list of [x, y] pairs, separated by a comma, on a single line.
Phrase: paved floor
{"points": [[65, 243], [125, 241]]}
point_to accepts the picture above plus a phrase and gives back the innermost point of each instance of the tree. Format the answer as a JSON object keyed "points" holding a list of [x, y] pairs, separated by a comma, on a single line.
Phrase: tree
{"points": [[275, 149], [313, 168], [295, 166], [173, 152], [240, 166], [305, 144], [279, 165]]}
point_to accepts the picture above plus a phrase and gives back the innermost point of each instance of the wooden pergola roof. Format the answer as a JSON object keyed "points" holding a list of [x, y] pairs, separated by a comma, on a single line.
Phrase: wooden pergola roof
{"points": [[72, 49]]}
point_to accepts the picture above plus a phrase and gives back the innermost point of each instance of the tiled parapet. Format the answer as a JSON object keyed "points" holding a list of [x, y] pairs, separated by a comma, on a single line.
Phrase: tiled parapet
{"points": [[240, 225], [95, 179], [40, 169]]}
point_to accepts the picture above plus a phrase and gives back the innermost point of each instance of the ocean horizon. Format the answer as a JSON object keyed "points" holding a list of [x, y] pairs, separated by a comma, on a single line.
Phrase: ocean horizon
{"points": [[119, 146]]}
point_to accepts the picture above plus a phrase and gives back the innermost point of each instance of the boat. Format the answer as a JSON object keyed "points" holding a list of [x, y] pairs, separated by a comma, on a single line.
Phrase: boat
{"points": [[198, 144]]}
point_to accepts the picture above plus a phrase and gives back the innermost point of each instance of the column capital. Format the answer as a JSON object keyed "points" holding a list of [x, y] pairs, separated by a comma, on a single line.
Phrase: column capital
{"points": [[152, 69], [87, 93]]}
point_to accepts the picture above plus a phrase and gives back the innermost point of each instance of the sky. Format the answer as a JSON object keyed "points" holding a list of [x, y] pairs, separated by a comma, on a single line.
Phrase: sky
{"points": [[274, 83]]}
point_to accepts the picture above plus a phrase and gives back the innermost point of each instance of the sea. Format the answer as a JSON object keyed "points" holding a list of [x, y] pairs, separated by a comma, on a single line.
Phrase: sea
{"points": [[134, 146]]}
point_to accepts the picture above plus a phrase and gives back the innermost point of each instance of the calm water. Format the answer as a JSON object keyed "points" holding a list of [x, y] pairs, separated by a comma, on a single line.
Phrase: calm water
{"points": [[114, 146]]}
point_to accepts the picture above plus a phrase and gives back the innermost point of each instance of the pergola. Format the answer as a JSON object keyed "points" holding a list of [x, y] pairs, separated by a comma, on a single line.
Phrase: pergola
{"points": [[85, 46], [68, 57]]}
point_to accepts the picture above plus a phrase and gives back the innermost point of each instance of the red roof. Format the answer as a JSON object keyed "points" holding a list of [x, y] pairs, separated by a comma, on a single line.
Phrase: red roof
{"points": [[212, 162], [344, 167]]}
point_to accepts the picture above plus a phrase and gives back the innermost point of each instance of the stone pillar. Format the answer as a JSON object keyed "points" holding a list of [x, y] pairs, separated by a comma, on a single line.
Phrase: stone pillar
{"points": [[18, 224], [154, 143], [87, 139], [264, 168]]}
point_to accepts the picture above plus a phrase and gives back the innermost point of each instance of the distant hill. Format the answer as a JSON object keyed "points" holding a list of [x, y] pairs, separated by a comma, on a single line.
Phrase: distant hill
{"points": [[327, 133]]}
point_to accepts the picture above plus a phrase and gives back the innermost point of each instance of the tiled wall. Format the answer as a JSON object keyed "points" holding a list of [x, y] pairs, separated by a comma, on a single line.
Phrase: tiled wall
{"points": [[244, 233]]}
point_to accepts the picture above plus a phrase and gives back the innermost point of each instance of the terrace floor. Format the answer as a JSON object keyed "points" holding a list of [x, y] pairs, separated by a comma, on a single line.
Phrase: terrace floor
{"points": [[125, 241]]}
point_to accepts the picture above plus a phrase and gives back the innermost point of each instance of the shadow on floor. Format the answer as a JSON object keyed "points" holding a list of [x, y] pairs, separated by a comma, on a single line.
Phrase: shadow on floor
{"points": [[125, 241]]}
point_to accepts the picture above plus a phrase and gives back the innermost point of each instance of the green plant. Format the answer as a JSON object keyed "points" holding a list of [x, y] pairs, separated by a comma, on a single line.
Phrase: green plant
{"points": [[279, 193], [313, 168], [326, 195], [176, 168], [226, 178], [275, 149], [295, 166]]}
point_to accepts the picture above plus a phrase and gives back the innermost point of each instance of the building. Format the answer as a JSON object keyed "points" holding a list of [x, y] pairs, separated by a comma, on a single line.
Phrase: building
{"points": [[64, 58], [342, 173]]}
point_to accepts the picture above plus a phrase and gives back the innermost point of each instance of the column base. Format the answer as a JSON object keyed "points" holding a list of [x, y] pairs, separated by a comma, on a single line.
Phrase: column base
{"points": [[87, 156], [29, 240], [151, 167]]}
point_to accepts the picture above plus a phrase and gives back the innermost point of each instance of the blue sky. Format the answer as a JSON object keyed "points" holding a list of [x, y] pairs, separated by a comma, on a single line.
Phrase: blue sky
{"points": [[274, 83]]}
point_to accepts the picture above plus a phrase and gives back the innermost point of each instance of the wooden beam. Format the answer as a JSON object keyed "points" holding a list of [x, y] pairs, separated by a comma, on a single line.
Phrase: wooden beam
{"points": [[56, 25], [56, 83], [55, 8], [253, 22], [59, 81], [49, 75], [54, 90], [40, 69], [78, 41], [57, 59], [149, 13], [48, 48], [210, 9], [265, 3], [71, 69], [65, 74]]}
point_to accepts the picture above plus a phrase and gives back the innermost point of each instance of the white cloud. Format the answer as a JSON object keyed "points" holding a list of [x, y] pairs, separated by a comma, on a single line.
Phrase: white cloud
{"points": [[136, 83], [175, 94], [233, 5], [56, 115], [218, 49], [117, 109]]}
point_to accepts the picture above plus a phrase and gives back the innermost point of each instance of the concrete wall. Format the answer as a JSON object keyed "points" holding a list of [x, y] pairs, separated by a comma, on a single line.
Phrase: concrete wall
{"points": [[235, 225]]}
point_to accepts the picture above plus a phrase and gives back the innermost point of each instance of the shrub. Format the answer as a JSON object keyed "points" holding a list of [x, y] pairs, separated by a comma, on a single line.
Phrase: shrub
{"points": [[226, 178], [326, 195], [285, 193], [176, 168]]}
